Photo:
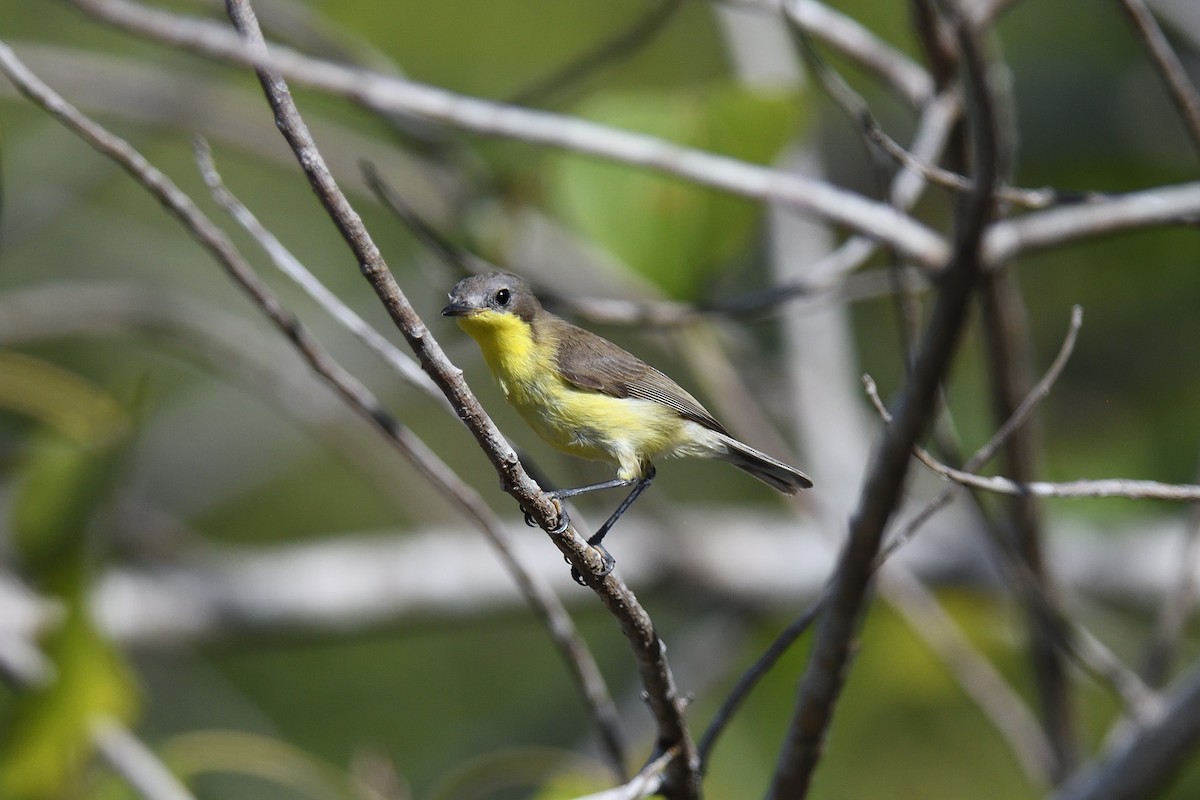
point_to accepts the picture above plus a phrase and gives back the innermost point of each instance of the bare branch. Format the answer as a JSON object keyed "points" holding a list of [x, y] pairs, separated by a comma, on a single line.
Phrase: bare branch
{"points": [[828, 664], [988, 451], [646, 783], [130, 758], [1142, 764], [1180, 87], [625, 43], [1053, 227], [1089, 651], [389, 93], [289, 265], [1175, 609], [850, 38], [1109, 487]]}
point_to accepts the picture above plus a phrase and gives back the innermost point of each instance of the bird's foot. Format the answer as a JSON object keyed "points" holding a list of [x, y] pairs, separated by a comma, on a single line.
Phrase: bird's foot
{"points": [[609, 563], [564, 521]]}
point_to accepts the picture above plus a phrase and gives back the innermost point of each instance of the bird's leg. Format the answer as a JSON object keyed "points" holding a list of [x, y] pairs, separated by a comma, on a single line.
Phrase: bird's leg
{"points": [[560, 494], [639, 486]]}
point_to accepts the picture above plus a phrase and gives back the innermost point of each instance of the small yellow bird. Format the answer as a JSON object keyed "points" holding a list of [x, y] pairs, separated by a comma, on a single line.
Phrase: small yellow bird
{"points": [[589, 398]]}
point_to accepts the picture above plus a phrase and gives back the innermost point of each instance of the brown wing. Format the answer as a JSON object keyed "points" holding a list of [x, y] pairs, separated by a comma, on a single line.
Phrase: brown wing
{"points": [[592, 362]]}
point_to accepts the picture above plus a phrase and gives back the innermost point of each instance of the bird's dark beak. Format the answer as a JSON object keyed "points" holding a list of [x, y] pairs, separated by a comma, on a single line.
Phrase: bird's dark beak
{"points": [[456, 309]]}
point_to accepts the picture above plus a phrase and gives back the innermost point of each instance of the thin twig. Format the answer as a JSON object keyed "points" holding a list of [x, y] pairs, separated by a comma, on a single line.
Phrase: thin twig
{"points": [[1176, 608], [1108, 487], [1183, 93], [354, 393], [662, 696], [757, 671], [1001, 703], [988, 451], [618, 47], [855, 107], [1090, 652], [825, 676], [466, 262], [1054, 227], [646, 783], [287, 263], [136, 763]]}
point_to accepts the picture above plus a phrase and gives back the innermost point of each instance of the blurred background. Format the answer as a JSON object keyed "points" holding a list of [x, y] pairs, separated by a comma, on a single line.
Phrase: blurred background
{"points": [[283, 608]]}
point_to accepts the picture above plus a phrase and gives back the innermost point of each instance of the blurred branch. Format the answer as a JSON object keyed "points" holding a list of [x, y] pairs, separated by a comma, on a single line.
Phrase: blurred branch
{"points": [[1072, 638], [1175, 608], [1040, 230], [833, 282], [1179, 86], [988, 451], [354, 393], [855, 107], [1025, 748], [681, 780], [388, 93], [1143, 762], [130, 758], [829, 662], [210, 593], [622, 45], [1005, 332], [855, 41], [980, 680], [646, 783], [401, 363]]}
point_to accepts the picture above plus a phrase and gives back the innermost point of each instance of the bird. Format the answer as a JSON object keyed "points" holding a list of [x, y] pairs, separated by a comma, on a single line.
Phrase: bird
{"points": [[591, 398]]}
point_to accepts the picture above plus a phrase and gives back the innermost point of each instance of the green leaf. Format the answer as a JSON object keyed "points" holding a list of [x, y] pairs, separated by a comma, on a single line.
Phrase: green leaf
{"points": [[670, 231], [67, 473], [47, 741], [68, 466]]}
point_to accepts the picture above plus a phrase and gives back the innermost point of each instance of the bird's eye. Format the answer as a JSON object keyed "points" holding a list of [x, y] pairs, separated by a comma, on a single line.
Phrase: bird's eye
{"points": [[502, 297]]}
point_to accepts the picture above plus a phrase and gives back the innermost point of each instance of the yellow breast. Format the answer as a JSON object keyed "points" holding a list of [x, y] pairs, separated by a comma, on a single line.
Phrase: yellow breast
{"points": [[585, 423]]}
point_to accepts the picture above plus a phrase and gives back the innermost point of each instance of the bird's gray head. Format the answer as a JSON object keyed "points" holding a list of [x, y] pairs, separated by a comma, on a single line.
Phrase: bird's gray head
{"points": [[502, 292]]}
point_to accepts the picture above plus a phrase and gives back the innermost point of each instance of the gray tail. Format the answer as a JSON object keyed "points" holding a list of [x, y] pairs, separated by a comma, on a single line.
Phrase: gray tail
{"points": [[772, 472]]}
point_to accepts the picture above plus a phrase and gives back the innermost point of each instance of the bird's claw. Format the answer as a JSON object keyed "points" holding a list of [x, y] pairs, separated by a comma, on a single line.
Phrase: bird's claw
{"points": [[564, 521], [608, 564]]}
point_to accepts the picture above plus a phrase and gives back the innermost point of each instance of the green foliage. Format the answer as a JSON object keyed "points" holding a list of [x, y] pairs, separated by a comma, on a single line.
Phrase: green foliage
{"points": [[674, 233], [67, 474], [47, 740]]}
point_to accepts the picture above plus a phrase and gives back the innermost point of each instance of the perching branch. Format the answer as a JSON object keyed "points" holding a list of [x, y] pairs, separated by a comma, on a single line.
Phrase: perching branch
{"points": [[666, 705]]}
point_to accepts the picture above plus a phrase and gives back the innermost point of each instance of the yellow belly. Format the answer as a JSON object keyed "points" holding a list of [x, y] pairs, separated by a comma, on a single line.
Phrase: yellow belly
{"points": [[624, 431]]}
